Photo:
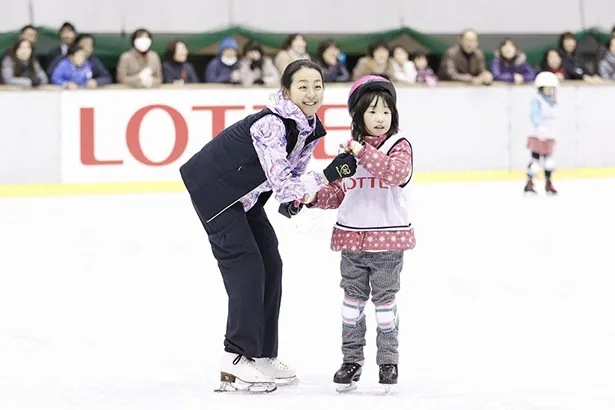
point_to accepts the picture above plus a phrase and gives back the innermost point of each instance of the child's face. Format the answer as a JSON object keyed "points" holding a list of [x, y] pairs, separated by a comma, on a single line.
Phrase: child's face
{"points": [[400, 55], [377, 118], [548, 91], [306, 90], [554, 61], [420, 63]]}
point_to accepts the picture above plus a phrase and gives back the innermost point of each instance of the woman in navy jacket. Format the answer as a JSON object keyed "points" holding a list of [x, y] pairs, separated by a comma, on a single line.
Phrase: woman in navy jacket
{"points": [[229, 181]]}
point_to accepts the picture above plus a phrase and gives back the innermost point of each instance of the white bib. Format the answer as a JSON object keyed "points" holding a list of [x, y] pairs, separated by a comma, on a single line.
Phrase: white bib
{"points": [[370, 204]]}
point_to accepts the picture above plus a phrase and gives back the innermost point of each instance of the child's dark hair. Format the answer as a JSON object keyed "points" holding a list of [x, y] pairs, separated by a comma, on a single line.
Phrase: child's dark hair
{"points": [[73, 49], [375, 46], [292, 68], [418, 54], [359, 130]]}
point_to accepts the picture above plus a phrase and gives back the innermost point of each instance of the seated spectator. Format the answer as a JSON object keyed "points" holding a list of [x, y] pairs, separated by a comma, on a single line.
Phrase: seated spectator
{"points": [[573, 65], [377, 62], [175, 67], [606, 67], [294, 48], [465, 61], [67, 33], [328, 59], [552, 62], [29, 33], [19, 66], [602, 50], [74, 70], [100, 75], [510, 65], [403, 69], [424, 74], [224, 68], [140, 66], [256, 68]]}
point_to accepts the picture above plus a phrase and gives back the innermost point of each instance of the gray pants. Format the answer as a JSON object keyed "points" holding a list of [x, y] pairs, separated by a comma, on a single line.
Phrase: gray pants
{"points": [[381, 271]]}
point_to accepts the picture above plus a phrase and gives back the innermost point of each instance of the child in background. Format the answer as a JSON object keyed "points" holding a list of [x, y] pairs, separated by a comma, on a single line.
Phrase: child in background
{"points": [[542, 140], [373, 228], [424, 74]]}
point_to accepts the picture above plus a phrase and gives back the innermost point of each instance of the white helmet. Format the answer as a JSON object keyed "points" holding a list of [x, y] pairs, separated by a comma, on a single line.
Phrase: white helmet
{"points": [[546, 79]]}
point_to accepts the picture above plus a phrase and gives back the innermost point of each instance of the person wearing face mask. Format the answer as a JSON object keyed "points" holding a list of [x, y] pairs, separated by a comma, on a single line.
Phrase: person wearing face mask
{"points": [[175, 67], [19, 66], [225, 67], [293, 49], [229, 181], [140, 66], [256, 68], [376, 62]]}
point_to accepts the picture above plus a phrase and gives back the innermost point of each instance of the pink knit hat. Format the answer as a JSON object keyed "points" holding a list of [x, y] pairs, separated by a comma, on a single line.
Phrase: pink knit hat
{"points": [[369, 82]]}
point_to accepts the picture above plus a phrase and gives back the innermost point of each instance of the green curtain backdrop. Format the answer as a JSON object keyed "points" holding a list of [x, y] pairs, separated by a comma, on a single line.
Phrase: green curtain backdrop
{"points": [[110, 46]]}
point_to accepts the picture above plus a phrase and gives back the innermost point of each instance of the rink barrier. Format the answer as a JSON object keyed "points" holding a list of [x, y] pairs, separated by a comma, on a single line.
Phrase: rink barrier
{"points": [[46, 190]]}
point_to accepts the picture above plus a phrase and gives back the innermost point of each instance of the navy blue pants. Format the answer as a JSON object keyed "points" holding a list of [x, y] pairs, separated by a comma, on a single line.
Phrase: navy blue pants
{"points": [[246, 248]]}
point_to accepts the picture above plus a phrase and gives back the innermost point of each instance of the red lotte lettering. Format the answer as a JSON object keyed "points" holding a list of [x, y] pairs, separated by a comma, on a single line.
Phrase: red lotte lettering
{"points": [[132, 134], [363, 182]]}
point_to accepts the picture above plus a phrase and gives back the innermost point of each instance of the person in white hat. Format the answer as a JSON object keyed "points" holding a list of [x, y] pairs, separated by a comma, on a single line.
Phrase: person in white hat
{"points": [[542, 139]]}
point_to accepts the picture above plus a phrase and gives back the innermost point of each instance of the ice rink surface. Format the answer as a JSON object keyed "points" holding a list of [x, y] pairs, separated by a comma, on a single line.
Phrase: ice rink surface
{"points": [[507, 303]]}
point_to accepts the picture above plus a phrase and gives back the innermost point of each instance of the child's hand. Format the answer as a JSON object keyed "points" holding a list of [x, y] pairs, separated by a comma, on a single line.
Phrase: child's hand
{"points": [[352, 147], [305, 200]]}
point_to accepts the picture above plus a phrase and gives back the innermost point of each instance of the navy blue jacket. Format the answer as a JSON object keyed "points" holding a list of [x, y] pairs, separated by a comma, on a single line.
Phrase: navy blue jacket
{"points": [[227, 168]]}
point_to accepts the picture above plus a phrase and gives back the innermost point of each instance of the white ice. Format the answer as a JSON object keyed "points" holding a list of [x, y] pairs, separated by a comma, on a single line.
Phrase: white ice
{"points": [[507, 303]]}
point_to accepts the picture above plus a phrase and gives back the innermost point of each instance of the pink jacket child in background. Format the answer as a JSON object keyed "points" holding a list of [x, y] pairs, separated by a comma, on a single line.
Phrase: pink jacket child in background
{"points": [[373, 228]]}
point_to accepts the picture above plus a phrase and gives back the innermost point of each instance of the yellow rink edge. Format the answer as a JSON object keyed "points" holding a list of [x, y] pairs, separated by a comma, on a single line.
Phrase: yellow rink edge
{"points": [[58, 189]]}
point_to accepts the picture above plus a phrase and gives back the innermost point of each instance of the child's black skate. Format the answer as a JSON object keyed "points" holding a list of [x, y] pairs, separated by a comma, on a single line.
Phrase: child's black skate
{"points": [[529, 188], [388, 376], [549, 188], [347, 376]]}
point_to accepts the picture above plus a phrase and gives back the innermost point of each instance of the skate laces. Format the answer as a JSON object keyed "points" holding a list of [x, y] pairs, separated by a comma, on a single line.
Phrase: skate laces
{"points": [[387, 367], [277, 363], [350, 367]]}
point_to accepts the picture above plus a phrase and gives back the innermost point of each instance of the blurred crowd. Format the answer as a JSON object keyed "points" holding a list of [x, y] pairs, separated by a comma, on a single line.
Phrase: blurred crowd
{"points": [[74, 63]]}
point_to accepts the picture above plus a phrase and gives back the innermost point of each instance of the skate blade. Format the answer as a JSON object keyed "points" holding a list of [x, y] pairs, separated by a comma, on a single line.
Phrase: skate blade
{"points": [[388, 388], [345, 388], [287, 381], [230, 383]]}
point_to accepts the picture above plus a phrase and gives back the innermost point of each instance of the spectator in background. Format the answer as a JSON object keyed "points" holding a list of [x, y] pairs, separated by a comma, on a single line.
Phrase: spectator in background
{"points": [[100, 75], [140, 66], [74, 70], [573, 65], [510, 65], [606, 66], [465, 61], [19, 66], [224, 68], [552, 62], [175, 67], [256, 68], [29, 33], [377, 62], [328, 58], [67, 34], [293, 49], [404, 70], [424, 74]]}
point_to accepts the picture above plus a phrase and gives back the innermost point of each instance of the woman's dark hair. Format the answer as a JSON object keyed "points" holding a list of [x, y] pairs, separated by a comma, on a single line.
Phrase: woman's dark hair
{"points": [[138, 32], [253, 45], [73, 49], [67, 26], [324, 45], [359, 130], [289, 40], [292, 68], [20, 69], [376, 45], [564, 36], [503, 43], [27, 27], [169, 52]]}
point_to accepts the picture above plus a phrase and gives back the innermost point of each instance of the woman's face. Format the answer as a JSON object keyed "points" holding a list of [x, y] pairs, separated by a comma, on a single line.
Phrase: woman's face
{"points": [[181, 52], [400, 56], [24, 51], [381, 55], [299, 45], [569, 44], [306, 90], [508, 50], [554, 61], [331, 55], [612, 46]]}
